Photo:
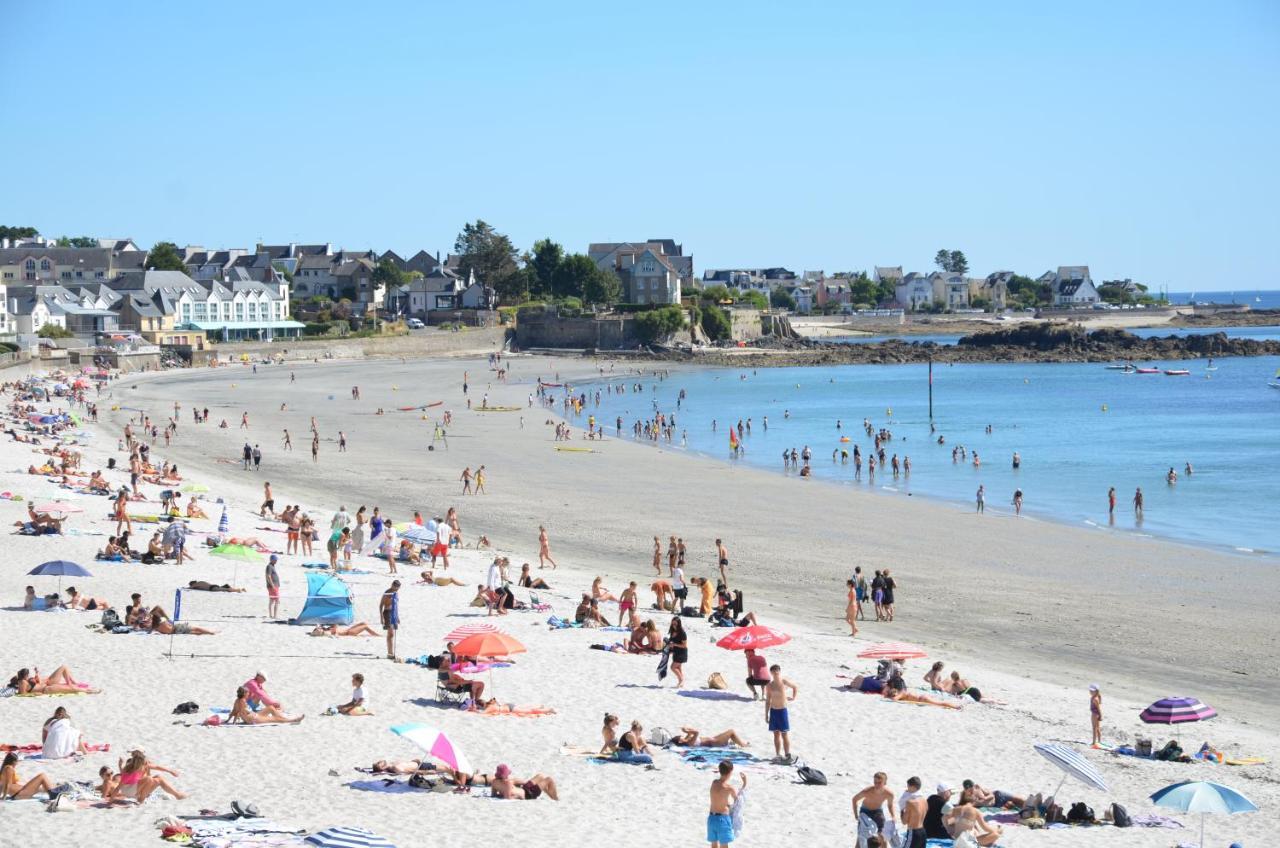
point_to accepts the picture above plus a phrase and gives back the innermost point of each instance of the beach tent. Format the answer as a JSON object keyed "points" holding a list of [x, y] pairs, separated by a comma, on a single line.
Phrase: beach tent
{"points": [[328, 601]]}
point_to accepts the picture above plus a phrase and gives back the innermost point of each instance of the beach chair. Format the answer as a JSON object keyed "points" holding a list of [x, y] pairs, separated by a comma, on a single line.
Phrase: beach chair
{"points": [[447, 694]]}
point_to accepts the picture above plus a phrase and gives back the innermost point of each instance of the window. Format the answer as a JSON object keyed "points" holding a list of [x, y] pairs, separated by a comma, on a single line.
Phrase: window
{"points": [[66, 275], [31, 265], [44, 264], [239, 311], [100, 275], [8, 275]]}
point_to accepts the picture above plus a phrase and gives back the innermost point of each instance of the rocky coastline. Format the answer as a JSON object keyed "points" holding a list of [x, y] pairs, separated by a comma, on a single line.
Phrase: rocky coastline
{"points": [[1038, 342]]}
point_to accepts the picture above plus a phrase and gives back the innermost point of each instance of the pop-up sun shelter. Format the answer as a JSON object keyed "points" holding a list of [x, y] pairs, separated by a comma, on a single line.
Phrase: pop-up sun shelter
{"points": [[328, 601]]}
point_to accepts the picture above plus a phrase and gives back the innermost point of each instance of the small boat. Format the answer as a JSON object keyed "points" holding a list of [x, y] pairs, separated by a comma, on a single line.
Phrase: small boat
{"points": [[1117, 367], [1146, 370], [1177, 372]]}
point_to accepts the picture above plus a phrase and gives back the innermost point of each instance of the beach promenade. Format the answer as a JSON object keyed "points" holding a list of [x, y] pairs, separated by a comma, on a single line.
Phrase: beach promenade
{"points": [[1031, 612]]}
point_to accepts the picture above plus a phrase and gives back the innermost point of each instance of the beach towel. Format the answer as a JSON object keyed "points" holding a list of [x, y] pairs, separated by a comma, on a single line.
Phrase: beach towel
{"points": [[737, 813], [385, 785], [558, 623]]}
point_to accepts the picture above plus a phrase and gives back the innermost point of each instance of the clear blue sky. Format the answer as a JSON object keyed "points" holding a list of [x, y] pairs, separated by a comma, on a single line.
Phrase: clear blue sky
{"points": [[1139, 138]]}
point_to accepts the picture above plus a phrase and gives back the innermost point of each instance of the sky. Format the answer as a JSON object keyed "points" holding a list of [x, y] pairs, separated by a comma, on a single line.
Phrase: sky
{"points": [[1140, 139]]}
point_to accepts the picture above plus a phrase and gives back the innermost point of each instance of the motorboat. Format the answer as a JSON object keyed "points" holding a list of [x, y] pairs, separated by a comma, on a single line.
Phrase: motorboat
{"points": [[1177, 372], [1146, 370]]}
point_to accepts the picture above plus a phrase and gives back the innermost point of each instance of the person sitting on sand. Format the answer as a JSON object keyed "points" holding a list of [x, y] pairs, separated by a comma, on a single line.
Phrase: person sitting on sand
{"points": [[137, 780], [407, 553], [966, 818], [167, 627], [599, 592], [974, 794], [109, 788], [98, 484], [76, 600], [723, 617], [194, 510], [360, 628], [528, 581], [961, 687], [59, 682], [645, 639], [59, 738], [12, 786], [41, 520], [112, 552], [358, 705], [266, 714], [935, 679], [155, 550], [30, 602], [609, 732], [896, 690], [588, 613], [688, 737]]}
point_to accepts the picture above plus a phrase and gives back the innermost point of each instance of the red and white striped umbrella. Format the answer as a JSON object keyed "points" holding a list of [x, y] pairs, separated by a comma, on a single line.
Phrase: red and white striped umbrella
{"points": [[462, 631], [893, 651]]}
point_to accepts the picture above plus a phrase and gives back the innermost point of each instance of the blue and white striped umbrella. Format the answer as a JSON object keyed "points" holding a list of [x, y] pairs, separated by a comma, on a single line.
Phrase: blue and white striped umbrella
{"points": [[1202, 797], [223, 525], [348, 837], [419, 535], [1073, 764]]}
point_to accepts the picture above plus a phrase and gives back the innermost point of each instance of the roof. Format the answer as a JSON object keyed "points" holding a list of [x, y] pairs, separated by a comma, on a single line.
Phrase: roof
{"points": [[352, 267], [1073, 272], [315, 262], [1069, 287], [889, 272], [86, 257]]}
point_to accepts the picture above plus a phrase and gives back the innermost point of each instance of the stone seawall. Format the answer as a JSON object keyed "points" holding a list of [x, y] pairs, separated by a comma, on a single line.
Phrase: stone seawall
{"points": [[422, 343]]}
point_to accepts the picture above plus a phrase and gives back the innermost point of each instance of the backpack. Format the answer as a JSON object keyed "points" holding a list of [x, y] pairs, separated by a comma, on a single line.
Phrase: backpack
{"points": [[186, 708], [1171, 751], [110, 619], [659, 736], [810, 776], [1120, 816], [1080, 812], [434, 660], [1053, 815]]}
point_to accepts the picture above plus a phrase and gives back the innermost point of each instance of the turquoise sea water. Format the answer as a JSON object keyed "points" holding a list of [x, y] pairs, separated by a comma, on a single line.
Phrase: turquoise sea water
{"points": [[1079, 429], [1258, 333]]}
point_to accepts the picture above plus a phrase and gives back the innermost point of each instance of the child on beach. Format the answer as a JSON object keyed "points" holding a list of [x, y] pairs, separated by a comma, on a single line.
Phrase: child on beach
{"points": [[1095, 713]]}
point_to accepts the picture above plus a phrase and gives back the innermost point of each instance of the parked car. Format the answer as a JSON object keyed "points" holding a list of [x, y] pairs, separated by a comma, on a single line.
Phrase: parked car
{"points": [[415, 324]]}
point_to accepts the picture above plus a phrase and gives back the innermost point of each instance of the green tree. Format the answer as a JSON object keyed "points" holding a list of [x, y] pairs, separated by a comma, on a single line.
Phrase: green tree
{"points": [[53, 331], [542, 266], [717, 294], [863, 289], [77, 241], [283, 271], [18, 232], [951, 261], [781, 300], [754, 298], [602, 287], [389, 274], [164, 256], [571, 275], [492, 257], [659, 323], [716, 323]]}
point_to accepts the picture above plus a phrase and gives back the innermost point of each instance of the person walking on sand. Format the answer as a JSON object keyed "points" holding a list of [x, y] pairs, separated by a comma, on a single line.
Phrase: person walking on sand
{"points": [[315, 447], [1137, 502], [874, 799], [244, 421], [342, 442], [1111, 502], [851, 608], [776, 698], [268, 501], [1017, 502], [723, 799], [722, 557], [287, 444], [657, 555], [273, 587], [544, 549], [982, 498], [480, 480], [466, 480], [257, 457], [389, 613], [246, 454], [1095, 713]]}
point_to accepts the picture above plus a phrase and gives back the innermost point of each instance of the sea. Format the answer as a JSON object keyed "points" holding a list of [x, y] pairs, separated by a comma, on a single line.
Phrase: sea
{"points": [[1078, 428], [1258, 299]]}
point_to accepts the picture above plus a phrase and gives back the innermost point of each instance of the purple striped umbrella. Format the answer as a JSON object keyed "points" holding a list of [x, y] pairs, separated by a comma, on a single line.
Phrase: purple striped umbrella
{"points": [[1177, 711]]}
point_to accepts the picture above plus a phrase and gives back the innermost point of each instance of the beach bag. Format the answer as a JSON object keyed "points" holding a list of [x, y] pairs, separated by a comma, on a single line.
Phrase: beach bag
{"points": [[61, 803], [418, 780], [1120, 816], [810, 776], [434, 660], [1053, 815], [1171, 751], [1080, 812], [659, 736], [186, 708], [110, 619], [716, 681]]}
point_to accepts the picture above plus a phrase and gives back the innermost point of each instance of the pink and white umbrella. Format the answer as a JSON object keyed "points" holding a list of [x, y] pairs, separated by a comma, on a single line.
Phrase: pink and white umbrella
{"points": [[435, 744], [893, 651], [57, 508], [462, 631]]}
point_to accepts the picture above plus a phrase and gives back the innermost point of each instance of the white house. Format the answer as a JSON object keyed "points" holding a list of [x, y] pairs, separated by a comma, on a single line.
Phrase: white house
{"points": [[1072, 286], [914, 291], [235, 309]]}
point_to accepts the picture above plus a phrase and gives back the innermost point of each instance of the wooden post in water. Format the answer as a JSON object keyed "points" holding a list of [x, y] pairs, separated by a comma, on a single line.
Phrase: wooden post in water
{"points": [[931, 389]]}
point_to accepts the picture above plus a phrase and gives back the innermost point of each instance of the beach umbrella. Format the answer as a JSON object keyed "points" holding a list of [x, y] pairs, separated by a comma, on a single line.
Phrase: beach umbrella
{"points": [[1073, 764], [493, 643], [1198, 796], [435, 744], [223, 526], [57, 508], [462, 631], [418, 534], [195, 488], [756, 636], [348, 837], [1177, 711], [238, 553], [60, 568], [893, 651]]}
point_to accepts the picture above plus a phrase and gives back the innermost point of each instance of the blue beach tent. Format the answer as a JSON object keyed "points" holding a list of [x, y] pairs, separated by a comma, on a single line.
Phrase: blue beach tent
{"points": [[328, 601]]}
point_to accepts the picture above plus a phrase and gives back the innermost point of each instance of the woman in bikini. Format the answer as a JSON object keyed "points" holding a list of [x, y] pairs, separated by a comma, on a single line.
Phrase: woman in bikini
{"points": [[689, 738], [60, 682], [528, 581], [609, 732], [599, 592], [851, 608], [360, 628], [266, 714], [896, 690], [137, 781], [430, 576], [12, 786]]}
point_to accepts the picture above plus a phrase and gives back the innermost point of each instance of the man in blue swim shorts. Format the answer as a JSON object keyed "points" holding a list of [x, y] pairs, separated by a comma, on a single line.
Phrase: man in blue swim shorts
{"points": [[777, 694], [723, 799]]}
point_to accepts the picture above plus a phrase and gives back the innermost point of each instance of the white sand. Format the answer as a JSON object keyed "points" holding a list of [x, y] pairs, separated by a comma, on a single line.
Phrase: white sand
{"points": [[1030, 611]]}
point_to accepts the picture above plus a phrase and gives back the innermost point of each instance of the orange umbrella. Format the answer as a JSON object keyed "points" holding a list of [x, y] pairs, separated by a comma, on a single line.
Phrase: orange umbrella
{"points": [[495, 644]]}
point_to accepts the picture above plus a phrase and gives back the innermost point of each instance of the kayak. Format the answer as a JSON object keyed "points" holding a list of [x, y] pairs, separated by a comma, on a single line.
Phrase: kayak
{"points": [[1177, 372]]}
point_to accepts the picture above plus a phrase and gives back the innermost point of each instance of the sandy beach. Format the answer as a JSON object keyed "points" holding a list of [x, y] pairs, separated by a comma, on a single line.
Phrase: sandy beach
{"points": [[1031, 611]]}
